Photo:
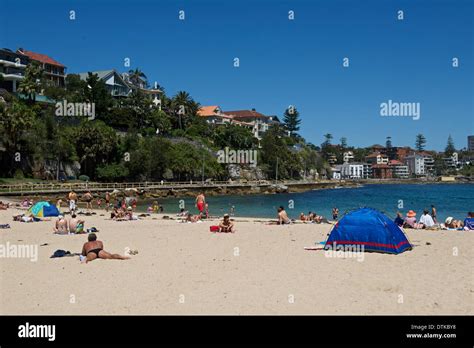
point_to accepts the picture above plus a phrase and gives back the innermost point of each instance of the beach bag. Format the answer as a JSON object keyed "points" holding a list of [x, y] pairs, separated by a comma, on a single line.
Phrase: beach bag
{"points": [[214, 228], [60, 253]]}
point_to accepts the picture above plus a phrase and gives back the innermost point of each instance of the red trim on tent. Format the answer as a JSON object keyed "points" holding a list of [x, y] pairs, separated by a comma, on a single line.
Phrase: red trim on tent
{"points": [[369, 243]]}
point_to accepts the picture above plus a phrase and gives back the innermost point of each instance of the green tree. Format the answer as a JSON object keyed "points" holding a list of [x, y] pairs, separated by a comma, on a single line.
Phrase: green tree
{"points": [[138, 107], [326, 147], [112, 172], [343, 142], [234, 137], [32, 83], [150, 159], [420, 142], [183, 108], [450, 149], [291, 119], [95, 143], [160, 121], [16, 119], [327, 140], [276, 158], [137, 77], [95, 91], [75, 88]]}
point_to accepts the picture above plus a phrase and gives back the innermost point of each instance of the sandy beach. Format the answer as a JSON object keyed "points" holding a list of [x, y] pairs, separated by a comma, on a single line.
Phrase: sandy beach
{"points": [[182, 268]]}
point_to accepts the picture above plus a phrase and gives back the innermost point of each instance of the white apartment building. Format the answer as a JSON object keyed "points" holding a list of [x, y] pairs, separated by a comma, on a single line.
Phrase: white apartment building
{"points": [[351, 170], [419, 164]]}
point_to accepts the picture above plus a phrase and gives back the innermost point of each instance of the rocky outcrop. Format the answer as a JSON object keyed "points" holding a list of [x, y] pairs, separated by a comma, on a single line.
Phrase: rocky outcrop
{"points": [[245, 173], [47, 170]]}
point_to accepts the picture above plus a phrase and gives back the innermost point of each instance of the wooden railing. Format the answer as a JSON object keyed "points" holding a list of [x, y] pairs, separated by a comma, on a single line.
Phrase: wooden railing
{"points": [[97, 186]]}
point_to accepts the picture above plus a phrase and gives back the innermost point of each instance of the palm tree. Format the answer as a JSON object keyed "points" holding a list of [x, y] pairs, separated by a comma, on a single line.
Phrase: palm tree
{"points": [[137, 77], [183, 105]]}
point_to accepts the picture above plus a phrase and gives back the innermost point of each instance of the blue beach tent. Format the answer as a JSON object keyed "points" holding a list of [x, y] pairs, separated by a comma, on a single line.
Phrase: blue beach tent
{"points": [[369, 228], [43, 209]]}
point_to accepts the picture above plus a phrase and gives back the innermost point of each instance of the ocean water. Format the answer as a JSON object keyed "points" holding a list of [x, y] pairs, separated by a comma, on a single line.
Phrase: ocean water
{"points": [[449, 200]]}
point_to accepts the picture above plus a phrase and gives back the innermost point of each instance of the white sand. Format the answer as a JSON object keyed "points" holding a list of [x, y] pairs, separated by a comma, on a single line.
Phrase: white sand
{"points": [[260, 269]]}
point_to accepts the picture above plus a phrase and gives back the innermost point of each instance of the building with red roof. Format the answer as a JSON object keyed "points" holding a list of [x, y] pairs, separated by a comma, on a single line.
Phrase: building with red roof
{"points": [[381, 171], [54, 71]]}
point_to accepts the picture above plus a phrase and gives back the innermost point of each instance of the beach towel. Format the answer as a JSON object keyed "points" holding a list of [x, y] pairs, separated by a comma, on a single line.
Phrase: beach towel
{"points": [[313, 248]]}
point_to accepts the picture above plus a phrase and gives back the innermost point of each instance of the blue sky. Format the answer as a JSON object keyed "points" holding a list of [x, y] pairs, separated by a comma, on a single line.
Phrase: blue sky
{"points": [[282, 62]]}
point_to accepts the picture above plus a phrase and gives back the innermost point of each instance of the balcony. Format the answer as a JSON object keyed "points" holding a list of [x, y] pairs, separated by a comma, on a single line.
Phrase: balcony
{"points": [[9, 63]]}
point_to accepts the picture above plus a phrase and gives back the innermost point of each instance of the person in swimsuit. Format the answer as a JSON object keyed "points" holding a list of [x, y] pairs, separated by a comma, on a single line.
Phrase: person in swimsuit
{"points": [[283, 218], [72, 197], [226, 225], [107, 201], [88, 198], [76, 225], [94, 249], [61, 226], [434, 213], [200, 202]]}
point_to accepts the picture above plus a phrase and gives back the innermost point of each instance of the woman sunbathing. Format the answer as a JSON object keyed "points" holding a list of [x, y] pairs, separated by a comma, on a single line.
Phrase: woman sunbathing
{"points": [[26, 218], [94, 249], [451, 223], [191, 218]]}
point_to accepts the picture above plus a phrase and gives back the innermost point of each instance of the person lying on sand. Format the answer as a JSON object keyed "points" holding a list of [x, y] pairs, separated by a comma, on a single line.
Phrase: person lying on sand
{"points": [[226, 225], [4, 206], [317, 218], [76, 225], [26, 218], [183, 212], [191, 218], [94, 249], [452, 223], [61, 225]]}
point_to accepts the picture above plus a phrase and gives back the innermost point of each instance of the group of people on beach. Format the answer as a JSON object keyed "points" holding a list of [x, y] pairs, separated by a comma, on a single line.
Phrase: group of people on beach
{"points": [[225, 225], [313, 218], [74, 225], [428, 220], [4, 206]]}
